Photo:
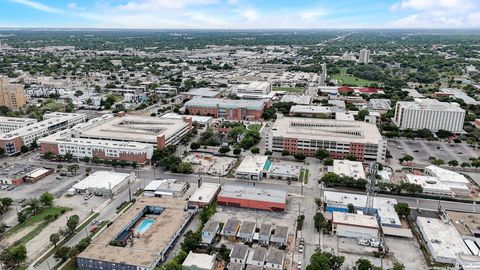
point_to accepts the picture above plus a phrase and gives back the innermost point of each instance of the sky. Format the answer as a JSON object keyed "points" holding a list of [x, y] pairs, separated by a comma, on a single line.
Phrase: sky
{"points": [[240, 14]]}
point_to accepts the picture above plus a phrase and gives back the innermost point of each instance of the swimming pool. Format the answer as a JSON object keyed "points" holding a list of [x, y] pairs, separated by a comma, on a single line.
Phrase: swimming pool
{"points": [[143, 227]]}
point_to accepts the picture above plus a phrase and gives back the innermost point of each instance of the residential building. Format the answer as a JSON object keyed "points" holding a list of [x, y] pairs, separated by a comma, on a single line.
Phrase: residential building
{"points": [[264, 234], [12, 95], [13, 141], [231, 227], [199, 261], [246, 231], [364, 57], [280, 237], [257, 257], [429, 114], [339, 138], [8, 124], [112, 248], [209, 232], [165, 187], [226, 108], [354, 225], [238, 255], [275, 259], [251, 197]]}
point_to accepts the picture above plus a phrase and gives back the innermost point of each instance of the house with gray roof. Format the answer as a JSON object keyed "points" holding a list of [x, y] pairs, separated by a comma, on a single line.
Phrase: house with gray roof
{"points": [[264, 234], [230, 229], [275, 259], [279, 237], [209, 232], [247, 230], [257, 257]]}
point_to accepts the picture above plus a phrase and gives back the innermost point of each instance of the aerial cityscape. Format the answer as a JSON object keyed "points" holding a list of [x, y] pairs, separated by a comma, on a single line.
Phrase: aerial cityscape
{"points": [[240, 135]]}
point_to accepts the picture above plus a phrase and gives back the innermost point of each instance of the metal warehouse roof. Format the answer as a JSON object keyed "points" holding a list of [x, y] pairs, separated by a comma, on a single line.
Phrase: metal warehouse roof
{"points": [[255, 194]]}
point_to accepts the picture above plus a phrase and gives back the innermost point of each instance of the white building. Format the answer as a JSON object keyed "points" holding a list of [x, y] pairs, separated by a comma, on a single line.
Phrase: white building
{"points": [[104, 183], [364, 56], [199, 261], [430, 114], [251, 167], [457, 183], [165, 188], [355, 225], [430, 184], [204, 195], [442, 239], [8, 124], [259, 88], [297, 99], [348, 168]]}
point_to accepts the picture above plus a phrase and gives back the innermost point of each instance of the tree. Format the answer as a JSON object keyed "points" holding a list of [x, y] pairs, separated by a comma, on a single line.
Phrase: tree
{"points": [[285, 152], [62, 253], [328, 162], [13, 256], [34, 145], [194, 145], [402, 209], [21, 217], [59, 167], [364, 264], [299, 156], [24, 149], [68, 156], [72, 223], [438, 162], [351, 157], [361, 114], [255, 150], [398, 266], [325, 261], [224, 252], [34, 205], [351, 208], [237, 151], [73, 168], [78, 93], [184, 167], [405, 158], [224, 149], [54, 239], [47, 199], [465, 164], [88, 170], [442, 134], [453, 163], [320, 222], [322, 154], [191, 240]]}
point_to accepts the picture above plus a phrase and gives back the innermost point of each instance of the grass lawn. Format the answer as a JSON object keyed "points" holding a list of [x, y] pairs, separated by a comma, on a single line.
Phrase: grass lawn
{"points": [[289, 89], [40, 217], [303, 176], [345, 79], [254, 127]]}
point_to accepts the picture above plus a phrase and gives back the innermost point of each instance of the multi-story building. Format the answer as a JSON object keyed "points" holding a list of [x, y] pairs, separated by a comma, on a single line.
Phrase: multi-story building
{"points": [[11, 95], [430, 114], [255, 90], [13, 141], [62, 143], [226, 108], [155, 131], [8, 124], [340, 138], [364, 56]]}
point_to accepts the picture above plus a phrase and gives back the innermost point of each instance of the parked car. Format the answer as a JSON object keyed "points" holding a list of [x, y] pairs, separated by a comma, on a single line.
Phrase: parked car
{"points": [[363, 242], [375, 243], [301, 248], [88, 196], [299, 265]]}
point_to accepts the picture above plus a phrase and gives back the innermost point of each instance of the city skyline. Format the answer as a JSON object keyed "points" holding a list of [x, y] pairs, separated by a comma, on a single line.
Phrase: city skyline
{"points": [[241, 14]]}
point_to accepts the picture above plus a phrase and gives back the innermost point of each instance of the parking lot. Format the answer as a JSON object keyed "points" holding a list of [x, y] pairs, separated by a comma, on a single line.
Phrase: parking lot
{"points": [[422, 150]]}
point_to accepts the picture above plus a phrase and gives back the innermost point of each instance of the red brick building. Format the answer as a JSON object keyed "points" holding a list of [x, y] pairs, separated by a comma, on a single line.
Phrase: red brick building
{"points": [[254, 198]]}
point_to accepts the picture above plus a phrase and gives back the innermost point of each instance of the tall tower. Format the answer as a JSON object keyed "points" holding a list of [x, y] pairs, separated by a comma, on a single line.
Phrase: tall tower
{"points": [[371, 182], [364, 57]]}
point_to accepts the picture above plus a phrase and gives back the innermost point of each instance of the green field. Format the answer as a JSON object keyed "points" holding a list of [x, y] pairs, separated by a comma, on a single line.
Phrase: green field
{"points": [[298, 90], [345, 79], [38, 218]]}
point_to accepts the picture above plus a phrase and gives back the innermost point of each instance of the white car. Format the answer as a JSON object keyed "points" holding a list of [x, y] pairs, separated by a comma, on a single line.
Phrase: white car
{"points": [[374, 243], [300, 249], [299, 265], [363, 242]]}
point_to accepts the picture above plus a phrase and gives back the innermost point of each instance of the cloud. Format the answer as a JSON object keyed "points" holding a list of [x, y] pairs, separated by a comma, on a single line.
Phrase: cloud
{"points": [[433, 4], [312, 14], [74, 6], [149, 5], [249, 14], [38, 6]]}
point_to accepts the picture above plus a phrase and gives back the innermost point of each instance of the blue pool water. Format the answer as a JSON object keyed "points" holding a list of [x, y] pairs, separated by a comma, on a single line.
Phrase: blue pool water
{"points": [[143, 227]]}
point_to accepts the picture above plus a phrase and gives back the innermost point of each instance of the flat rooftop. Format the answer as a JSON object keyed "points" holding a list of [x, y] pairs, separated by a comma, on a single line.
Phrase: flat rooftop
{"points": [[202, 92], [443, 237], [251, 193], [16, 120], [326, 129], [225, 103], [134, 128], [101, 179], [205, 193], [146, 249], [349, 168], [355, 220], [252, 164], [430, 105], [297, 99]]}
